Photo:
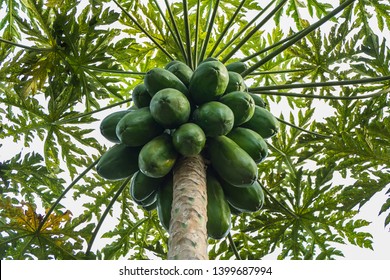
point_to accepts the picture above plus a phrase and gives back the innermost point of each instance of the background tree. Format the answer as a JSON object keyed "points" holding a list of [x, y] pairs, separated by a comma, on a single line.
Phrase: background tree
{"points": [[65, 65]]}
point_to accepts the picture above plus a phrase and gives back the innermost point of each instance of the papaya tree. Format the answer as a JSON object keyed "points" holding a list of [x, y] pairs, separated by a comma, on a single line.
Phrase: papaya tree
{"points": [[191, 129]]}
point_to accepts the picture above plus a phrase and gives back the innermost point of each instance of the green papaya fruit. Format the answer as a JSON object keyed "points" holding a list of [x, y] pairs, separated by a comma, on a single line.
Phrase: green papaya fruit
{"points": [[208, 82], [209, 59], [142, 187], [248, 199], [231, 162], [141, 96], [215, 118], [152, 206], [170, 108], [263, 122], [258, 100], [118, 162], [164, 202], [149, 201], [138, 127], [234, 211], [108, 125], [157, 157], [242, 105], [170, 63], [251, 142], [236, 83], [182, 71], [159, 78], [218, 211], [189, 139], [132, 108], [237, 67]]}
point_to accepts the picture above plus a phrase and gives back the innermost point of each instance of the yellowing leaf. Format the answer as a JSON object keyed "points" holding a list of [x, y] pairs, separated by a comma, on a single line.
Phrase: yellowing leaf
{"points": [[26, 218]]}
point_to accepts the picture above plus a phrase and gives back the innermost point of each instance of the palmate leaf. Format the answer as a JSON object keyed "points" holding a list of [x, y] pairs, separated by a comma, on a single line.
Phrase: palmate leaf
{"points": [[322, 55], [64, 47], [308, 231], [385, 208], [364, 21], [363, 190], [69, 139], [140, 239], [24, 236], [33, 67], [8, 24], [66, 86], [94, 194], [86, 49], [34, 124], [28, 176], [8, 27], [352, 136], [25, 117], [381, 9], [320, 9], [293, 10], [362, 154], [378, 60], [79, 57]]}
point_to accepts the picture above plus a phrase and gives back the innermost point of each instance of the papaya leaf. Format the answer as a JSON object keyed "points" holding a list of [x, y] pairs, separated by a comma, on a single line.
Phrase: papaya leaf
{"points": [[28, 176], [23, 225], [62, 63]]}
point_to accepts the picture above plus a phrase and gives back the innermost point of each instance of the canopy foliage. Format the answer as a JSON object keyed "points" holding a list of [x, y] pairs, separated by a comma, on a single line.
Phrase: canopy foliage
{"points": [[64, 65]]}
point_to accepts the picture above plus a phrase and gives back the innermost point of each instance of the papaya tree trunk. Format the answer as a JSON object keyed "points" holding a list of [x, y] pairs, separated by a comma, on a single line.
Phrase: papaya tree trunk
{"points": [[187, 229]]}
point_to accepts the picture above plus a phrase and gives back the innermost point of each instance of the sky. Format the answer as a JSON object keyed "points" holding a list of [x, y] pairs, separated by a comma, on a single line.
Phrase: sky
{"points": [[369, 211]]}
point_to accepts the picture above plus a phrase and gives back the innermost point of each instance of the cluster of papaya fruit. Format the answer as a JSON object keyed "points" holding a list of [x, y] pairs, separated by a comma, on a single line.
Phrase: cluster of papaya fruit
{"points": [[177, 112]]}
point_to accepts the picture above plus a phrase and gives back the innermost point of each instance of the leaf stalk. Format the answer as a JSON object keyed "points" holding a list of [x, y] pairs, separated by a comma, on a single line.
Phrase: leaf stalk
{"points": [[295, 39], [48, 213]]}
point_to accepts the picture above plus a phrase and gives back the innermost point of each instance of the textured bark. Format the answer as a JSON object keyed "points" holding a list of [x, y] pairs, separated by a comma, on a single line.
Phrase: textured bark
{"points": [[187, 229]]}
